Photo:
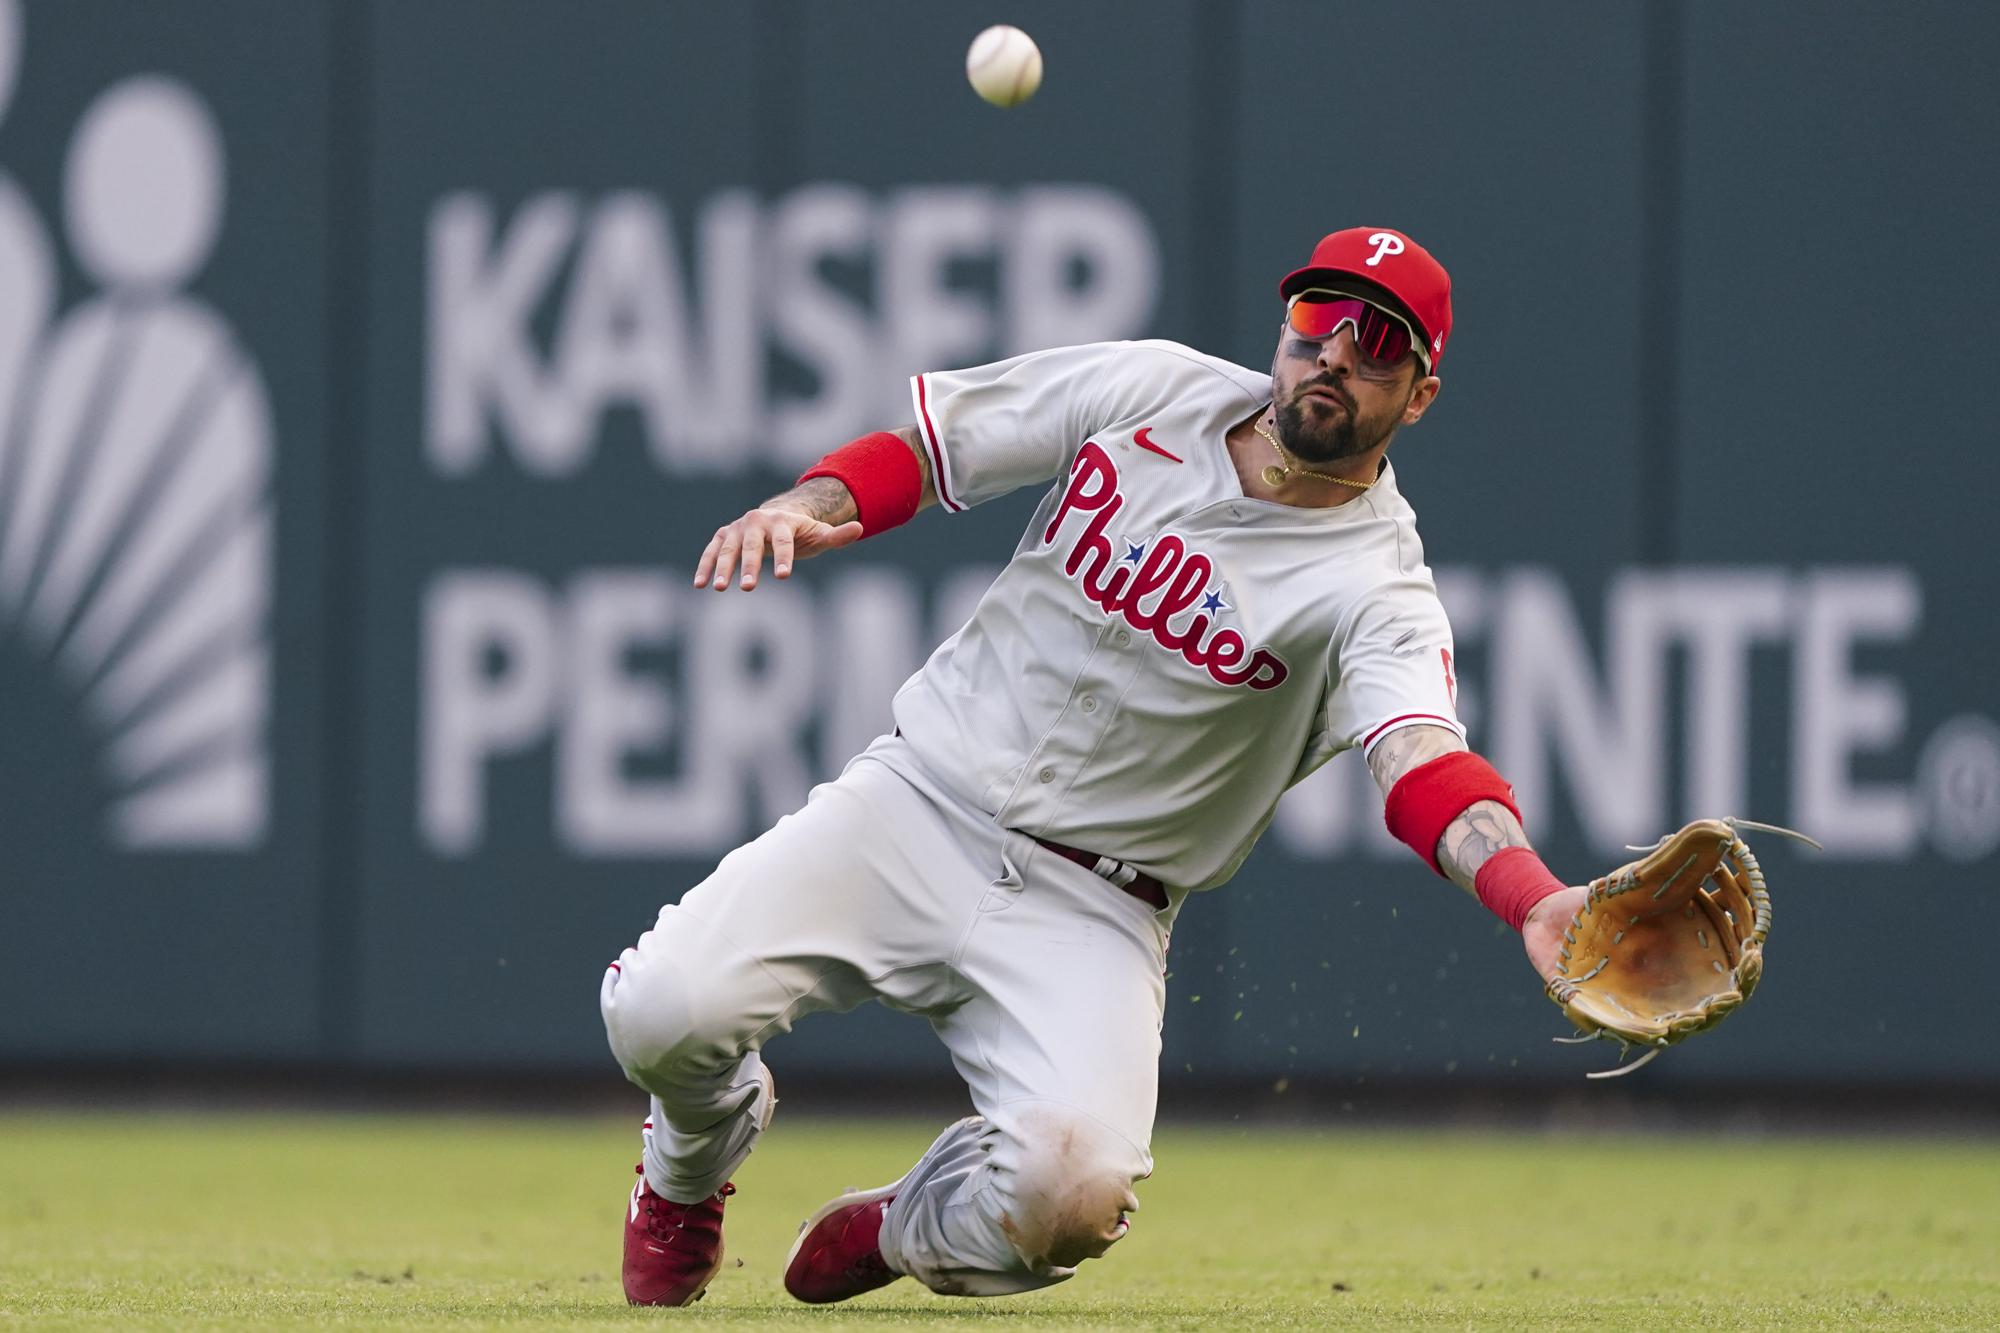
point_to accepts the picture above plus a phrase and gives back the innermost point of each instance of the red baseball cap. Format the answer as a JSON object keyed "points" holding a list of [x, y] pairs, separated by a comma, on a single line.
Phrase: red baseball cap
{"points": [[1384, 258]]}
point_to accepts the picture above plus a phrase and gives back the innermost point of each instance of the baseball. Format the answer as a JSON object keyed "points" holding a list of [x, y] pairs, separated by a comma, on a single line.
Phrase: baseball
{"points": [[1004, 65]]}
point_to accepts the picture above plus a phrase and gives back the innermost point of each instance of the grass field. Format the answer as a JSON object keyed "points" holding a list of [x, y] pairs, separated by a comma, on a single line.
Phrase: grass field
{"points": [[272, 1221]]}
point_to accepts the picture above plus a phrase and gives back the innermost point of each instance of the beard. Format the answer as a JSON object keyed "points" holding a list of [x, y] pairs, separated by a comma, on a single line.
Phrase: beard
{"points": [[1317, 433]]}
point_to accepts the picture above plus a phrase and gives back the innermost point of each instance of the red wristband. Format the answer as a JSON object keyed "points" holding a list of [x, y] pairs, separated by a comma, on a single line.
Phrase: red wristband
{"points": [[883, 476], [1512, 881], [1426, 799]]}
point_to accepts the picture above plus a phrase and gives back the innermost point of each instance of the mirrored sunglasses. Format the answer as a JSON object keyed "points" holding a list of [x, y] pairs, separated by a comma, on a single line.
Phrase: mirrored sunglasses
{"points": [[1379, 335]]}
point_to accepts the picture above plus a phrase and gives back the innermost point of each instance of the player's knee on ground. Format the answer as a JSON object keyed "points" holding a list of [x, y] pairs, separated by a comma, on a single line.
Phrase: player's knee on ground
{"points": [[1069, 1187], [664, 1022]]}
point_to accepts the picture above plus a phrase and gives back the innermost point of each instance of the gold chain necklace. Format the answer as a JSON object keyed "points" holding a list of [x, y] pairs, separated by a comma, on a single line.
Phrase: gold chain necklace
{"points": [[1275, 474]]}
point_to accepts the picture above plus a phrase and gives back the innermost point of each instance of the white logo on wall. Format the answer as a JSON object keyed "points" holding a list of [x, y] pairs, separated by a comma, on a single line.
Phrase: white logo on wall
{"points": [[135, 456], [645, 760]]}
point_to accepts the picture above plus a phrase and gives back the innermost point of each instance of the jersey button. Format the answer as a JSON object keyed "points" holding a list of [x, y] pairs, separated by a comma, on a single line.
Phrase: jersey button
{"points": [[1089, 703], [1047, 775], [1124, 637]]}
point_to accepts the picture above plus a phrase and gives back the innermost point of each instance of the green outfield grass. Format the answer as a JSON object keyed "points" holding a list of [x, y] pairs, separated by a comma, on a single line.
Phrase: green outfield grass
{"points": [[262, 1221]]}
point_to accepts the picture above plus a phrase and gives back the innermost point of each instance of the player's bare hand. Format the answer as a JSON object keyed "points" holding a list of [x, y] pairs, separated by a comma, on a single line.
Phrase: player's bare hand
{"points": [[737, 549], [1542, 932]]}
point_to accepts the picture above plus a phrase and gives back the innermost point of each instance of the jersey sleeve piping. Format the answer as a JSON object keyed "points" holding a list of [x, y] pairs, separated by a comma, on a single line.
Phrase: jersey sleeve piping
{"points": [[940, 469], [1402, 720]]}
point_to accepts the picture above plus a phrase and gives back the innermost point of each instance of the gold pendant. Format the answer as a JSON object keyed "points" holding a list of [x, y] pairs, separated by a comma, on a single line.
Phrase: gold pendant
{"points": [[1275, 475]]}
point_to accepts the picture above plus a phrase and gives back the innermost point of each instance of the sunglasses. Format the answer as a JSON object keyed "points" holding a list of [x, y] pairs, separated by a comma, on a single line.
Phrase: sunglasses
{"points": [[1379, 335]]}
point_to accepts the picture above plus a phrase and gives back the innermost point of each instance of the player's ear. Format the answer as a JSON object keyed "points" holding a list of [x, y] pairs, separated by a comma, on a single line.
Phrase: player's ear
{"points": [[1422, 394]]}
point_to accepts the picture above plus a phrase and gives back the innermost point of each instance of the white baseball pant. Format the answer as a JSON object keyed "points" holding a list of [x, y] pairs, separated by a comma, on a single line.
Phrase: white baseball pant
{"points": [[1044, 981]]}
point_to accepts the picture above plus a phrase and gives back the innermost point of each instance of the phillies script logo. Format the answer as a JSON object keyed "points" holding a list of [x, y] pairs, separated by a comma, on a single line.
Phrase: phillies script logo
{"points": [[1175, 578]]}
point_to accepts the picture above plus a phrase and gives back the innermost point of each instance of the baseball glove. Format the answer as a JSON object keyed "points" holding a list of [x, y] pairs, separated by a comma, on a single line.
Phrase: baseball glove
{"points": [[1670, 944]]}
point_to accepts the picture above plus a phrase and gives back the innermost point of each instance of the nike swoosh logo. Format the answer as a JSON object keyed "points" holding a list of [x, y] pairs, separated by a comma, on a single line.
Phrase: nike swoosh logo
{"points": [[1142, 438], [635, 1203]]}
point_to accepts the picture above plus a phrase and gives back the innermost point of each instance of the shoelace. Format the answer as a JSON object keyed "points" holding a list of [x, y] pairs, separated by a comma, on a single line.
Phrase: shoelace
{"points": [[664, 1216]]}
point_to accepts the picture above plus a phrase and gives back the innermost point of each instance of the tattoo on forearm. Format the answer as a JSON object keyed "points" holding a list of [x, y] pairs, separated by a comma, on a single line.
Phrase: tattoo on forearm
{"points": [[1412, 747], [1483, 829], [824, 498], [828, 499]]}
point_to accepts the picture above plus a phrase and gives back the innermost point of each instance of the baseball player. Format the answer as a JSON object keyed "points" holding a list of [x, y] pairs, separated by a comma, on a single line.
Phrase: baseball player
{"points": [[1221, 589]]}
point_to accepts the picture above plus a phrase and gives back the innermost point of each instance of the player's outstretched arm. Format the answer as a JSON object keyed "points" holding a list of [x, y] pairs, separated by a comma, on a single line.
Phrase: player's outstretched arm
{"points": [[860, 489], [1474, 836]]}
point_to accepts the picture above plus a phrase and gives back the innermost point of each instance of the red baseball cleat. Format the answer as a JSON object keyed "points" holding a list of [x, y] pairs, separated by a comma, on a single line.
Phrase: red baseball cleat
{"points": [[672, 1250], [837, 1255]]}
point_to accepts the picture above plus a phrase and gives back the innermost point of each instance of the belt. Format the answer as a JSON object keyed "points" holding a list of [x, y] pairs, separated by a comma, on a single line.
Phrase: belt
{"points": [[1135, 882]]}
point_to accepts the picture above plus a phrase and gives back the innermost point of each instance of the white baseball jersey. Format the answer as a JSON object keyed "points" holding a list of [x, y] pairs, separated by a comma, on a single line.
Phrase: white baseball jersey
{"points": [[1163, 656]]}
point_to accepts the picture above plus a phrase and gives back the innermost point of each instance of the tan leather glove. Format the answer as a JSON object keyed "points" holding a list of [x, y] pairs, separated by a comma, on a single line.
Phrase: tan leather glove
{"points": [[1668, 945]]}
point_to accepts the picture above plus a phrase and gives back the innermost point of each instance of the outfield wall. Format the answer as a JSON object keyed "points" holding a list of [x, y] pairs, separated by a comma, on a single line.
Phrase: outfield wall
{"points": [[371, 374]]}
